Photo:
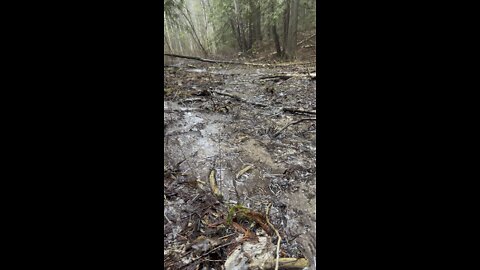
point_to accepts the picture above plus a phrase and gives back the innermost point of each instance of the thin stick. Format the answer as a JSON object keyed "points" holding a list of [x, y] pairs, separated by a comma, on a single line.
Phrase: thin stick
{"points": [[278, 235], [293, 123], [226, 236]]}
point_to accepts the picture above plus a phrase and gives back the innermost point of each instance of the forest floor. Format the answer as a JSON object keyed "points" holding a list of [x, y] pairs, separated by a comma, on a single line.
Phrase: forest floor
{"points": [[239, 165]]}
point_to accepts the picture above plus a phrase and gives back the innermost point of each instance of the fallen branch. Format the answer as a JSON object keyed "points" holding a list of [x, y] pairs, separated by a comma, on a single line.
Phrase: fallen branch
{"points": [[285, 109], [200, 59], [281, 77], [234, 63], [193, 100], [295, 110], [293, 123], [239, 98], [288, 76], [290, 64], [228, 95], [308, 38], [167, 110]]}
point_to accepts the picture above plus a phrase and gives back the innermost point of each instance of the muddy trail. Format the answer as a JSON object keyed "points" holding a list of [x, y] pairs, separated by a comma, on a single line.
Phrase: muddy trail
{"points": [[239, 166]]}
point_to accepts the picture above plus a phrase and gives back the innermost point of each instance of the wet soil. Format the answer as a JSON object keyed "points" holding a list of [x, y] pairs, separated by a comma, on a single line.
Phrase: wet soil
{"points": [[225, 118]]}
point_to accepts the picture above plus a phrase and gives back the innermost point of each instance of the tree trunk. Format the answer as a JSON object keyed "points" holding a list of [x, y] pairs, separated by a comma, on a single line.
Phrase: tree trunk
{"points": [[244, 37], [179, 41], [286, 20], [167, 34], [273, 27], [236, 32], [207, 30], [276, 39], [255, 23], [189, 20], [258, 23], [251, 38], [291, 45]]}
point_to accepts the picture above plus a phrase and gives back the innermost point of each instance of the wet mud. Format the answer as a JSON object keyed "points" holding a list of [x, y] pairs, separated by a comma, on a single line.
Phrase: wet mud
{"points": [[228, 118]]}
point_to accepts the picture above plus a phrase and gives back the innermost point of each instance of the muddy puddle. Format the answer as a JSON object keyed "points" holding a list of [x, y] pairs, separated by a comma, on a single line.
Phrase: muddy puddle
{"points": [[227, 119]]}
